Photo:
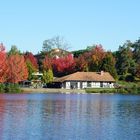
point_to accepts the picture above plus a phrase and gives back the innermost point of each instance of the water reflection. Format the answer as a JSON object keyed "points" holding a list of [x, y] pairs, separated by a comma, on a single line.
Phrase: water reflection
{"points": [[71, 116]]}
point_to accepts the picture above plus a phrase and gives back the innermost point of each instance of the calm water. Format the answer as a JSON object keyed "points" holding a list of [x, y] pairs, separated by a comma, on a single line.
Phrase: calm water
{"points": [[69, 117]]}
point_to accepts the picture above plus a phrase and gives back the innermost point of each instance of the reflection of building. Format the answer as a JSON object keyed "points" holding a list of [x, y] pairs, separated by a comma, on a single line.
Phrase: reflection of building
{"points": [[80, 80]]}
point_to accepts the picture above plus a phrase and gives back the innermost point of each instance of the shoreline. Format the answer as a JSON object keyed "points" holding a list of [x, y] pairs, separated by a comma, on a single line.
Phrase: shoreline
{"points": [[77, 91], [51, 90]]}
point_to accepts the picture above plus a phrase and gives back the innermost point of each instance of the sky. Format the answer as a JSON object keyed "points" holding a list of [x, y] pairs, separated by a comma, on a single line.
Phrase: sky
{"points": [[82, 23]]}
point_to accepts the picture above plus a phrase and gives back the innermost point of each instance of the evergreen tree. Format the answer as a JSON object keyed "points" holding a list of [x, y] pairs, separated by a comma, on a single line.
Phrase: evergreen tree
{"points": [[124, 59], [14, 50], [136, 52]]}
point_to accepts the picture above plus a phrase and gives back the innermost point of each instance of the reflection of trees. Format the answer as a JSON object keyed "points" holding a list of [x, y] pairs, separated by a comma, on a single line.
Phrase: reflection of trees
{"points": [[68, 116], [2, 112]]}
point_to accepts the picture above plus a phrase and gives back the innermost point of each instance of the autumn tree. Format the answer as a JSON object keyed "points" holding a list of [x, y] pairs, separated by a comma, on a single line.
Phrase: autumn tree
{"points": [[47, 70], [17, 69], [47, 63], [31, 62], [63, 65], [97, 54], [3, 66], [30, 57], [81, 64]]}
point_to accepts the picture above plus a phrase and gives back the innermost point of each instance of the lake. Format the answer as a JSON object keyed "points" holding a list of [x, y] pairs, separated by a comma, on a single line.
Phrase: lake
{"points": [[69, 117]]}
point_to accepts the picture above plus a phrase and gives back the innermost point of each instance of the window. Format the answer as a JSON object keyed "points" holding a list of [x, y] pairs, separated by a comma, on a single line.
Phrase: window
{"points": [[88, 84]]}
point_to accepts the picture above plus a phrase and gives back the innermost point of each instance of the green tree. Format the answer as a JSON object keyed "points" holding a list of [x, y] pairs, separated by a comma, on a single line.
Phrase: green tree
{"points": [[124, 59], [47, 76], [108, 64], [14, 50], [136, 52], [31, 69]]}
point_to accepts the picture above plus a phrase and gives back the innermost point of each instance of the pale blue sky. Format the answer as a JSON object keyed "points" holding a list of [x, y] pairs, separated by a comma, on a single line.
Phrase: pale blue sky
{"points": [[27, 23]]}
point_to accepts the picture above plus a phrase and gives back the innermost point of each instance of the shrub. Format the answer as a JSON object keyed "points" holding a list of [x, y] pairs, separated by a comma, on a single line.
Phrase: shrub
{"points": [[12, 88], [122, 77], [2, 87], [129, 78]]}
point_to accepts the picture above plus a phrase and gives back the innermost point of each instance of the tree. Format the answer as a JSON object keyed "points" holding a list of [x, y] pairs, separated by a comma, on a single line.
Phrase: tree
{"points": [[63, 65], [124, 59], [31, 63], [47, 63], [47, 76], [30, 57], [3, 61], [78, 53], [138, 70], [97, 55], [108, 64], [136, 51], [14, 50], [47, 70], [17, 69], [55, 42], [31, 69], [81, 64]]}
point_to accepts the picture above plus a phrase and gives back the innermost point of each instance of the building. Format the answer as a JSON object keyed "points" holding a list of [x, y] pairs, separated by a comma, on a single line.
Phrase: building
{"points": [[37, 79], [81, 80], [58, 53]]}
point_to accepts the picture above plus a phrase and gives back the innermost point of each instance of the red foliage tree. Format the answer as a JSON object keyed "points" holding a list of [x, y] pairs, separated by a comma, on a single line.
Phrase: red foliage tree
{"points": [[3, 67], [81, 63], [17, 69], [30, 57], [47, 63], [64, 65]]}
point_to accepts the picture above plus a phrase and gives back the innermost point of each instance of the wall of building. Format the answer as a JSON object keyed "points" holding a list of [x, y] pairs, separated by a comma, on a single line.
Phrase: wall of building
{"points": [[85, 84]]}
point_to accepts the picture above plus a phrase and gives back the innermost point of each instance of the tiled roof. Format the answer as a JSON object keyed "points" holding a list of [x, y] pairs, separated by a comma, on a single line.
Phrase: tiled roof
{"points": [[87, 76]]}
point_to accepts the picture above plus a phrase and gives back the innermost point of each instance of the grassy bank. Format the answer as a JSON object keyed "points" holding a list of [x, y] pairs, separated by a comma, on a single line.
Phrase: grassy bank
{"points": [[130, 87], [10, 88], [100, 90], [124, 88]]}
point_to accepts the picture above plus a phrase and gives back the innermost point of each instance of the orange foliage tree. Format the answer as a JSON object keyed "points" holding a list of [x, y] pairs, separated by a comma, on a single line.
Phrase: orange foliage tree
{"points": [[3, 67], [17, 69], [97, 55]]}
